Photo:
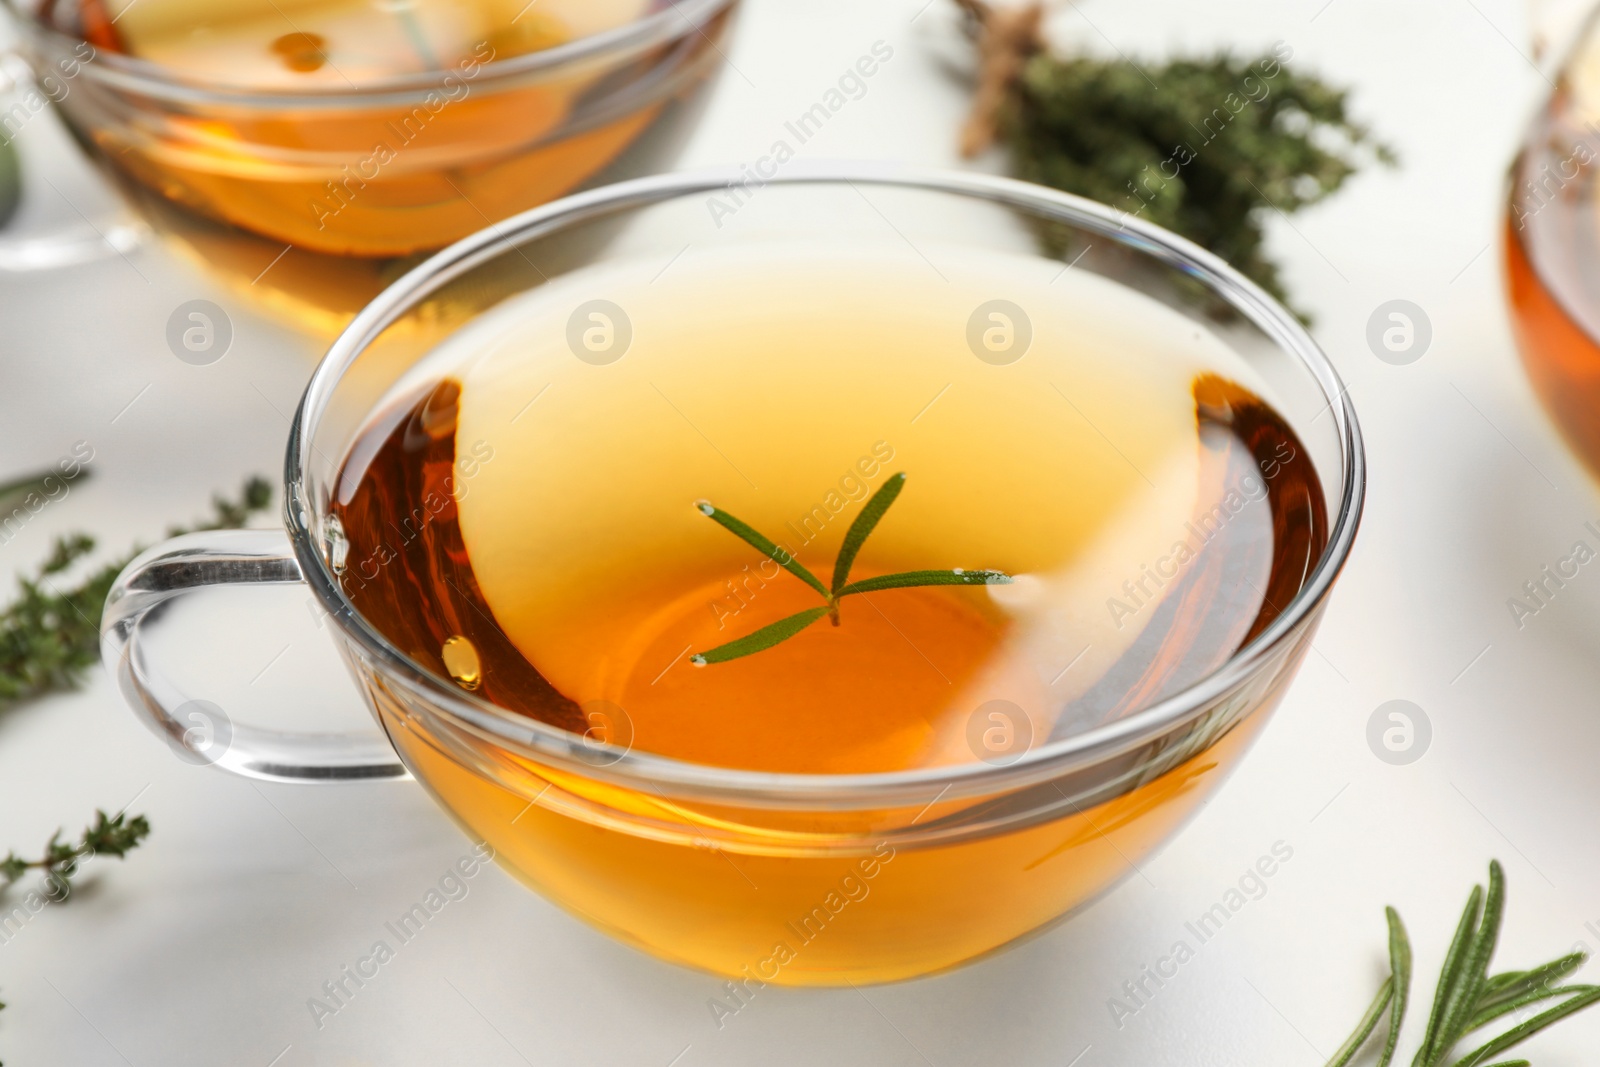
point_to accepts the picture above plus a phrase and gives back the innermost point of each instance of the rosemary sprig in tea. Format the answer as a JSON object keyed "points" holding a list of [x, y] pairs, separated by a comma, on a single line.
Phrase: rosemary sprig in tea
{"points": [[842, 587], [1468, 998]]}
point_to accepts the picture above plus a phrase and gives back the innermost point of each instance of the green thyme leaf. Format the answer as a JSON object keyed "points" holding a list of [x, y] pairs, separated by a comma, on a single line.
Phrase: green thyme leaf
{"points": [[865, 523], [114, 837], [762, 639]]}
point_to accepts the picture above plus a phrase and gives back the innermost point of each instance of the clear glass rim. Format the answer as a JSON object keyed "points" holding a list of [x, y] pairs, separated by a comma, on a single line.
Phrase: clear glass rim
{"points": [[680, 18], [648, 770]]}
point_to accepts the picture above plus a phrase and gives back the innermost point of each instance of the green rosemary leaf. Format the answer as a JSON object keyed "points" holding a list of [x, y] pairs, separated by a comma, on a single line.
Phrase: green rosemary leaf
{"points": [[1465, 995], [908, 579], [1496, 982], [1513, 984], [1484, 1016], [865, 523], [1400, 972], [1449, 975], [1518, 1034], [763, 638], [1463, 981], [859, 529], [1364, 1028], [762, 544]]}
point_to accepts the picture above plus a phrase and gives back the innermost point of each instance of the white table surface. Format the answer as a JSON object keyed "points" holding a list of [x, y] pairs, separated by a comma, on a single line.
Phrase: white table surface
{"points": [[203, 947]]}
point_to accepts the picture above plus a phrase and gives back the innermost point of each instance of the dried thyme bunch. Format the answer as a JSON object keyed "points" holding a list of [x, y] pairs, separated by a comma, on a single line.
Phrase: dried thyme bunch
{"points": [[1205, 147]]}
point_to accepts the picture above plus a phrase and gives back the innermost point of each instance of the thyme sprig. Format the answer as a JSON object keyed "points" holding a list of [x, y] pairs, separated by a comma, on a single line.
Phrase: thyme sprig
{"points": [[1468, 998], [841, 586], [49, 636], [106, 836]]}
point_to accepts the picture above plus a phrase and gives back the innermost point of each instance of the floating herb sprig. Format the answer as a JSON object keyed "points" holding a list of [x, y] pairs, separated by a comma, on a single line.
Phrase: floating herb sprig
{"points": [[1468, 998], [842, 587]]}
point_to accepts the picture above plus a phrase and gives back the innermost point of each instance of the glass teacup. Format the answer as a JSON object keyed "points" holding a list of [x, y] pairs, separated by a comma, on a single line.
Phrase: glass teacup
{"points": [[763, 875], [1550, 247], [308, 187]]}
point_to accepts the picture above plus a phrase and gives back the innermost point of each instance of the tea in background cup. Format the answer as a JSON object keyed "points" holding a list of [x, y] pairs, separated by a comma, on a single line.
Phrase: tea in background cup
{"points": [[1552, 237]]}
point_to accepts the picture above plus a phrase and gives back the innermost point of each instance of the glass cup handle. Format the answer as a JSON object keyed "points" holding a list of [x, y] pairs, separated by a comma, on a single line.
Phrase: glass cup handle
{"points": [[199, 732]]}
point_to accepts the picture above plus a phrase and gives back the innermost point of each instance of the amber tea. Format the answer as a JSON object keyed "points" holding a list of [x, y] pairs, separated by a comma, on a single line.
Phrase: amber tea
{"points": [[815, 510]]}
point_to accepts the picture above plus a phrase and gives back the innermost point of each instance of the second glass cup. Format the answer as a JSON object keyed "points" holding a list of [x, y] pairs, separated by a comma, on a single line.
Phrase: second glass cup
{"points": [[309, 160], [1552, 248]]}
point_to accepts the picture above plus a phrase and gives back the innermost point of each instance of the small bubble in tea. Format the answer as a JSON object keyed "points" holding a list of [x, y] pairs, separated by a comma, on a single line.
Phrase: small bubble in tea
{"points": [[461, 660]]}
